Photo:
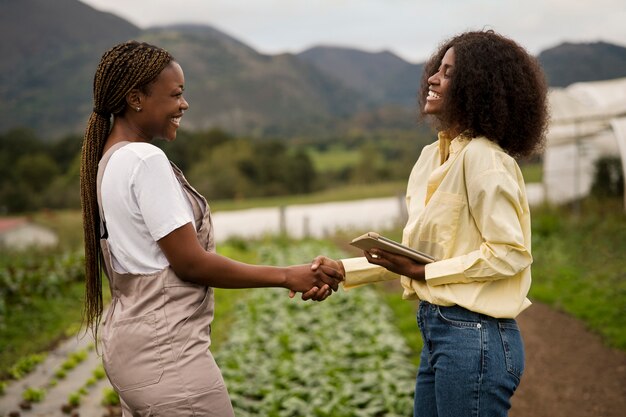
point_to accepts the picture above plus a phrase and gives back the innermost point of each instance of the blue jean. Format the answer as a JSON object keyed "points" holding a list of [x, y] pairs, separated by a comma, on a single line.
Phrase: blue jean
{"points": [[471, 363]]}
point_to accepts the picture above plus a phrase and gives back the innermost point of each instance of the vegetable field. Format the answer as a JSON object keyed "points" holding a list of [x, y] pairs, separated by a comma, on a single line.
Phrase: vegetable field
{"points": [[354, 354], [341, 357], [279, 356]]}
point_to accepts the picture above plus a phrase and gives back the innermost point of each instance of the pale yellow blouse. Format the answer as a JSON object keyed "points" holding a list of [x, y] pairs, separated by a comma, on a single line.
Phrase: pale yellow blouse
{"points": [[467, 206]]}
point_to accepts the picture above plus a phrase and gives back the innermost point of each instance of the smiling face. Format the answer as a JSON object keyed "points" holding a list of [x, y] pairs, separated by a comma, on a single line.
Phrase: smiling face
{"points": [[439, 84], [163, 105]]}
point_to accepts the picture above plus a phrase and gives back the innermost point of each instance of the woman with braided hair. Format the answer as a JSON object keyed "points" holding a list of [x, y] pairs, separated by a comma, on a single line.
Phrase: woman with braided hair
{"points": [[467, 207], [153, 234]]}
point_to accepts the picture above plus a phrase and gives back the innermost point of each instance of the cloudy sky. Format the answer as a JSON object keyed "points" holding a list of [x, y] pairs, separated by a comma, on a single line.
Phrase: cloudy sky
{"points": [[409, 28]]}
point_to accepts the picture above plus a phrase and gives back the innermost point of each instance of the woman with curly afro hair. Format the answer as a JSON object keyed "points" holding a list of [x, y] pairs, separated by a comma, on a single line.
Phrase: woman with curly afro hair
{"points": [[497, 91], [467, 207]]}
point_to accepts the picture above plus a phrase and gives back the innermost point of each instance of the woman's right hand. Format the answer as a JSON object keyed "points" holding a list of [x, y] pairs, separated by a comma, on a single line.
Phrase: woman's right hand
{"points": [[316, 284], [324, 260]]}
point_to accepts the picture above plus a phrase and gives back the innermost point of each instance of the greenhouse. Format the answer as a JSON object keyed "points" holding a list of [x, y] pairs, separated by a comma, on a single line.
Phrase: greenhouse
{"points": [[588, 122]]}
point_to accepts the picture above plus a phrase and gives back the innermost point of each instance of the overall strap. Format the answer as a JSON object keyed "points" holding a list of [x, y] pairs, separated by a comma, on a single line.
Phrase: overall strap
{"points": [[101, 167], [198, 203]]}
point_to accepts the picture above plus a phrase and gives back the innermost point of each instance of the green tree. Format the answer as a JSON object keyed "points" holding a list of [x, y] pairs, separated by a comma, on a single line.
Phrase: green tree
{"points": [[371, 166], [64, 190], [37, 171], [218, 173], [608, 178], [14, 144], [300, 175], [65, 150], [184, 151]]}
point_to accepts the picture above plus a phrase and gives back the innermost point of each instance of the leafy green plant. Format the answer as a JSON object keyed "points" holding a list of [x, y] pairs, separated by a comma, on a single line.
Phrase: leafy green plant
{"points": [[69, 364], [80, 355], [99, 373], [34, 395], [91, 382], [3, 387], [26, 365], [74, 359], [110, 397], [74, 399]]}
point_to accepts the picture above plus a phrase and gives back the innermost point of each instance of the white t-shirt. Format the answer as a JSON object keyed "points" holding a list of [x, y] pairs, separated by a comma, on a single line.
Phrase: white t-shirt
{"points": [[142, 202]]}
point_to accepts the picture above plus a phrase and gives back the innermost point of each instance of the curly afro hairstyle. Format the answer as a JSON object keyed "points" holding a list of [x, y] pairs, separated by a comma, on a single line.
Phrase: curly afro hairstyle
{"points": [[497, 90]]}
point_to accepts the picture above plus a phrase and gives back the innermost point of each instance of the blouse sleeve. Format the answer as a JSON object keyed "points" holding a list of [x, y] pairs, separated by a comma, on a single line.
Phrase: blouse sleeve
{"points": [[496, 202], [360, 272]]}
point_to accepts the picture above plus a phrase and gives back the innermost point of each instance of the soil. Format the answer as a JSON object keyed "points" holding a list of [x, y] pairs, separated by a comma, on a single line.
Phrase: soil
{"points": [[569, 372]]}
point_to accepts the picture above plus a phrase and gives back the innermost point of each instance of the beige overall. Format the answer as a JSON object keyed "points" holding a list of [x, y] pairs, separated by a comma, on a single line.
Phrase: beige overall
{"points": [[156, 332]]}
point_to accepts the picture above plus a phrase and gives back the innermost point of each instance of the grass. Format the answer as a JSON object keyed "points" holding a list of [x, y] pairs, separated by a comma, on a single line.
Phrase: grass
{"points": [[335, 158], [38, 326], [343, 193], [579, 265], [532, 172]]}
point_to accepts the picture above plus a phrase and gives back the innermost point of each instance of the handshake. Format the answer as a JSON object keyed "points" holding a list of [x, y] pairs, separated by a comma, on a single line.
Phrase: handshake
{"points": [[316, 281]]}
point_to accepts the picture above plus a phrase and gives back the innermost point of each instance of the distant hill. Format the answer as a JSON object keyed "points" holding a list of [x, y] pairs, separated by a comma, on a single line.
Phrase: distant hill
{"points": [[50, 50], [382, 77], [574, 62], [232, 86]]}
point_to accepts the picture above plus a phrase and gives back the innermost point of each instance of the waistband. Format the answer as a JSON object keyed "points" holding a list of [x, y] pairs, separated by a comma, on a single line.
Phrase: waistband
{"points": [[459, 311]]}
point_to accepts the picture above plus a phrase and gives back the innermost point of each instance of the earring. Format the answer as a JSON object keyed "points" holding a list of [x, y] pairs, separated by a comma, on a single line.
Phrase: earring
{"points": [[138, 108]]}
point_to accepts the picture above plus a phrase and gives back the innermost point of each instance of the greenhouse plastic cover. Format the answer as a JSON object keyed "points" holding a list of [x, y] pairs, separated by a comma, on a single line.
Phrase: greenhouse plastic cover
{"points": [[588, 121]]}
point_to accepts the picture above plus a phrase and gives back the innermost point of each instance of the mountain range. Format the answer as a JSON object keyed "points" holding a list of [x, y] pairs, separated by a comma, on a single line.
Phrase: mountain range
{"points": [[50, 51]]}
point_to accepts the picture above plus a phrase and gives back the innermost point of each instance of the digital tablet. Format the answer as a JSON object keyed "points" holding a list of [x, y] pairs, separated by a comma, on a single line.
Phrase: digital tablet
{"points": [[373, 240]]}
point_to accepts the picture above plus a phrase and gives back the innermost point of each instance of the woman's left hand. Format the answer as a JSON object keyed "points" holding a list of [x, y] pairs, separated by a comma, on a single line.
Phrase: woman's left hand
{"points": [[398, 264]]}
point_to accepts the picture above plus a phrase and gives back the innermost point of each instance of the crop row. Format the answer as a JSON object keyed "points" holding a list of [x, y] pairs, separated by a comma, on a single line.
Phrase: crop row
{"points": [[342, 357], [49, 381]]}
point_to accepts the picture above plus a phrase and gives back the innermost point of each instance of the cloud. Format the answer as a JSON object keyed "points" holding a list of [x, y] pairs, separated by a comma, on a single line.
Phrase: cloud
{"points": [[410, 28]]}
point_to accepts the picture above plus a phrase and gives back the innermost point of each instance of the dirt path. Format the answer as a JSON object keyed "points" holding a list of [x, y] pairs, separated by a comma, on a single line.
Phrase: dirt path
{"points": [[569, 372]]}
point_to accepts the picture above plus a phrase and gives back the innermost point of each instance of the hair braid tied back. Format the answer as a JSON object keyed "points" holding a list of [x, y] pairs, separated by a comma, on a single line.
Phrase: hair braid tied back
{"points": [[126, 66]]}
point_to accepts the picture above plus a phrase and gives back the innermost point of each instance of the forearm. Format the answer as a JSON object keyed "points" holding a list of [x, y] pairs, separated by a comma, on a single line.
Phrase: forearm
{"points": [[194, 264], [416, 272], [219, 271]]}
